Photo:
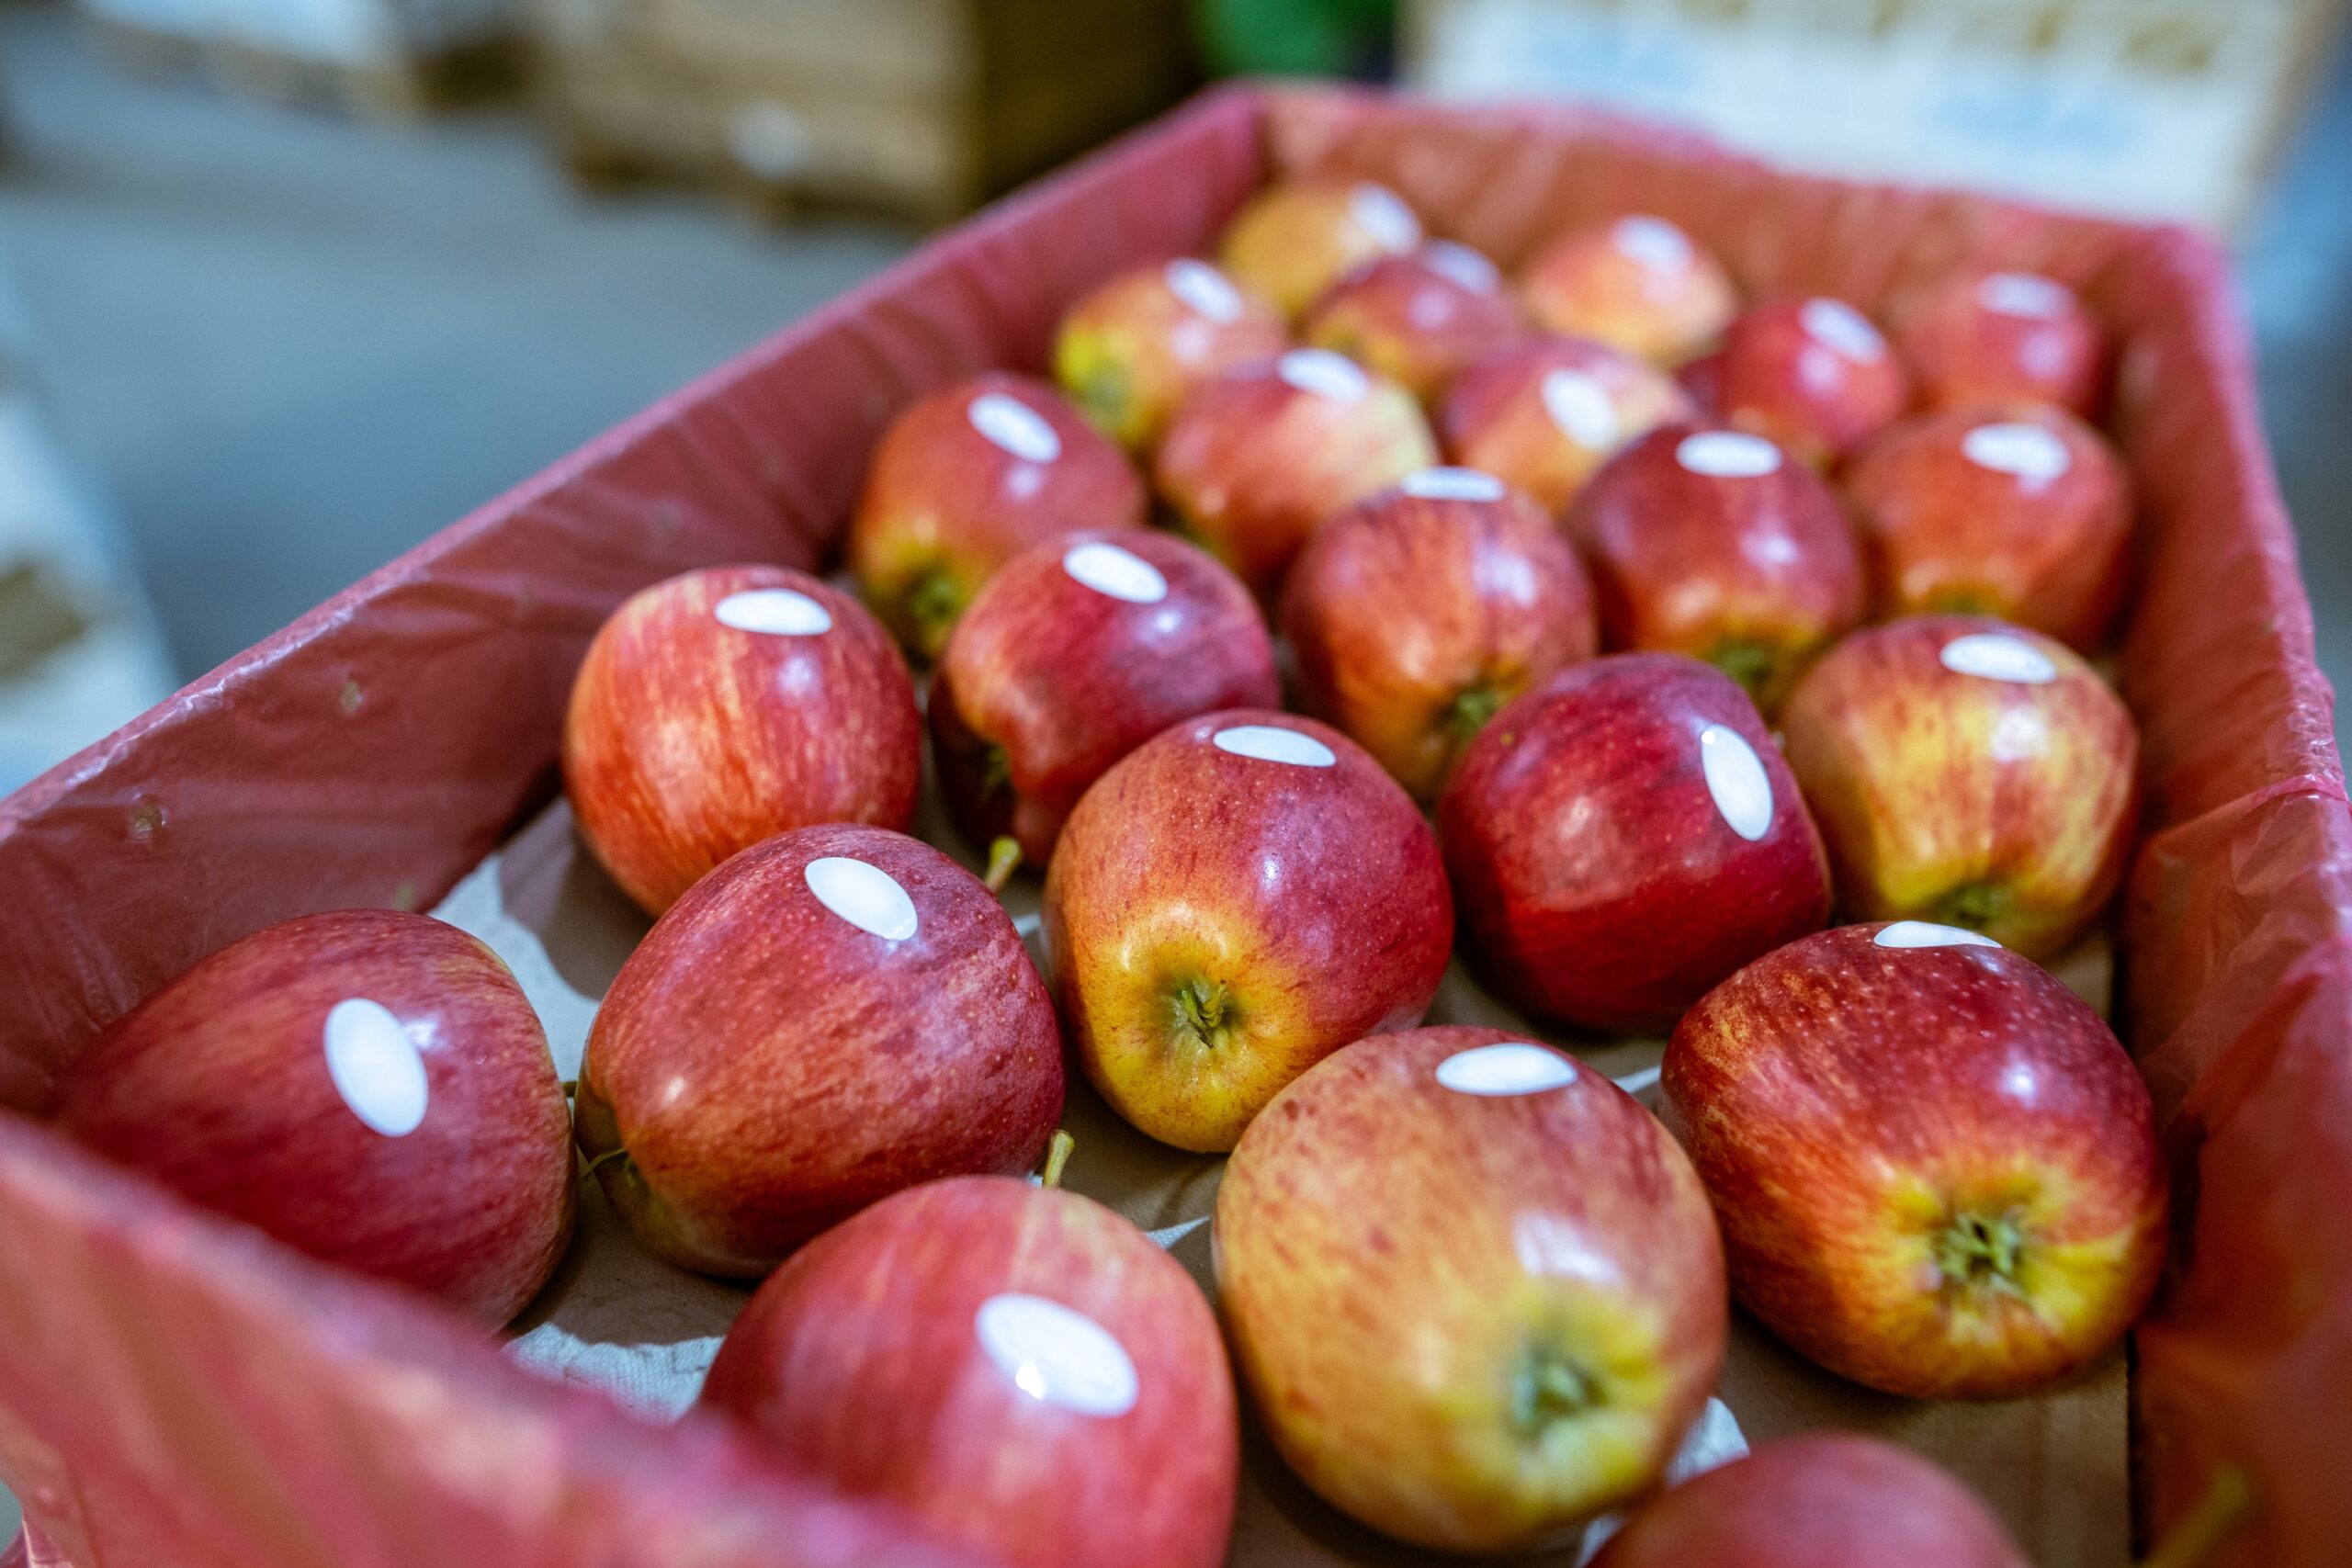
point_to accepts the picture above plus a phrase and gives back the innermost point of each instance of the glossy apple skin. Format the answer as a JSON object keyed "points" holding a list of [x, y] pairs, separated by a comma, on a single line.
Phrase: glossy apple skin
{"points": [[1820, 1500], [687, 738], [1413, 619], [1999, 805], [1418, 320], [1216, 924], [1293, 240], [1664, 301], [1865, 1117], [1045, 682], [1753, 573], [770, 1068], [1945, 532], [2001, 340], [859, 1362], [944, 506], [1790, 382], [1601, 882], [1397, 1261], [217, 1085], [1496, 416], [1253, 464], [1135, 347]]}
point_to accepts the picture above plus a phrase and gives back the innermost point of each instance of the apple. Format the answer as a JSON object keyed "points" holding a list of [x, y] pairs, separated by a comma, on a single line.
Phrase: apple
{"points": [[1639, 284], [966, 479], [1814, 375], [1621, 836], [1414, 616], [1016, 1366], [1417, 319], [1075, 654], [834, 1014], [1715, 544], [1257, 458], [367, 1086], [1238, 898], [1821, 1500], [2024, 514], [1295, 239], [2003, 338], [1936, 1171], [1969, 773], [1544, 414], [1473, 1288], [727, 704], [1132, 350]]}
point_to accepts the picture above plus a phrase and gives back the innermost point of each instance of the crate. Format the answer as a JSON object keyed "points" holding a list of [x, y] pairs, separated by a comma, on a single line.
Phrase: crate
{"points": [[173, 1388]]}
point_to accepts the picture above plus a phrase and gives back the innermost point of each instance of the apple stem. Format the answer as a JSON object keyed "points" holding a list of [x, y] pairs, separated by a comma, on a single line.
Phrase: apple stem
{"points": [[570, 1088], [2229, 1497], [602, 1160], [1057, 1157], [1004, 857]]}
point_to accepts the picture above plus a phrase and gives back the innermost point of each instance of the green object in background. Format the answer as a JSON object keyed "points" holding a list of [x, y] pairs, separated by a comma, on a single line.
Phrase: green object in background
{"points": [[1297, 38]]}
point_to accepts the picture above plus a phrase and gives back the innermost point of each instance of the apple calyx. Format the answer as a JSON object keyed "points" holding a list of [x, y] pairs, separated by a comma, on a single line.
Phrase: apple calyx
{"points": [[1974, 906], [1548, 1390], [932, 602], [1004, 858], [1203, 1012], [2201, 1532], [1057, 1152], [1751, 663], [1468, 713], [1977, 1253], [1102, 394]]}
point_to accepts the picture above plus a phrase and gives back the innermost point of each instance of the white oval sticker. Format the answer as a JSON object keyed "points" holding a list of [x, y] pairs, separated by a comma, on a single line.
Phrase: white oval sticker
{"points": [[1462, 266], [1382, 214], [866, 895], [1736, 779], [1323, 373], [1997, 656], [778, 612], [1653, 241], [1205, 290], [1727, 455], [2028, 451], [1926, 933], [1837, 325], [1056, 1355], [1581, 409], [1510, 1067], [1121, 575], [1272, 743], [1014, 426], [2024, 294], [1451, 484], [375, 1066]]}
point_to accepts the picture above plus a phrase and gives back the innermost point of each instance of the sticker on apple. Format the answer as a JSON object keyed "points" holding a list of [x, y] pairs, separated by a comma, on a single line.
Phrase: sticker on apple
{"points": [[2029, 451], [1510, 1067], [1451, 484], [1323, 374], [1114, 572], [866, 895], [1839, 326], [1581, 408], [1742, 791], [375, 1066], [1014, 426], [773, 612], [1928, 933], [1727, 455], [1205, 290], [1997, 656], [1272, 743], [1056, 1355]]}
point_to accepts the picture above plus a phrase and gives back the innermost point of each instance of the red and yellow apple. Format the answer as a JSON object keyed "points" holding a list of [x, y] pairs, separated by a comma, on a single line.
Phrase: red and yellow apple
{"points": [[1967, 771], [1543, 415], [2002, 340], [1418, 319], [1936, 1169], [1638, 284], [1295, 239], [724, 706], [367, 1086], [1075, 654], [1414, 616], [1814, 375], [1237, 899], [1473, 1288], [1135, 347]]}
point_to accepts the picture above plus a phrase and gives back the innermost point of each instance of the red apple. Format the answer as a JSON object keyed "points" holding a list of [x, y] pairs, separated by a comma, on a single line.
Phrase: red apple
{"points": [[1936, 1172], [1544, 414], [728, 704], [1131, 351], [1416, 615], [2002, 339], [2026, 515], [963, 480], [1417, 319], [1712, 543], [1623, 836], [1259, 457], [833, 1014], [1237, 899], [1473, 1288], [1017, 1366], [1638, 284], [1967, 771], [1295, 239], [1814, 375], [1075, 654], [1823, 1500], [370, 1088]]}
